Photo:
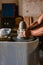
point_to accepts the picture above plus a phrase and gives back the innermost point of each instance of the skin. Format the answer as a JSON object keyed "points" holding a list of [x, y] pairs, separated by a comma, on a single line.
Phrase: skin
{"points": [[35, 32], [38, 31]]}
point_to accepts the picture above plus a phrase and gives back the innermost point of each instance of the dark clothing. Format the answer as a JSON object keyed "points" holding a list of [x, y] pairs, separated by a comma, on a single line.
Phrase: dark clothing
{"points": [[40, 37], [41, 42]]}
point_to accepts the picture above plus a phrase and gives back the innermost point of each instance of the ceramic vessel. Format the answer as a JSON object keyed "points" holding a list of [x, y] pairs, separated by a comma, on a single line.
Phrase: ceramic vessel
{"points": [[4, 32]]}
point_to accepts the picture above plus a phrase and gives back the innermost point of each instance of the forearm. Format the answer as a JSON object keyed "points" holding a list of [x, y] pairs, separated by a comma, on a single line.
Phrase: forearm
{"points": [[37, 32], [33, 25]]}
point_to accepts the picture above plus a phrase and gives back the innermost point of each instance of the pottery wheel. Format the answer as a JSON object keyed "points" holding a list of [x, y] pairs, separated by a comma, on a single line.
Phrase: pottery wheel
{"points": [[22, 39]]}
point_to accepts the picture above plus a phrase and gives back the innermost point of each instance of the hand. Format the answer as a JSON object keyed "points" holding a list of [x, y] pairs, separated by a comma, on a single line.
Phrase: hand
{"points": [[26, 33]]}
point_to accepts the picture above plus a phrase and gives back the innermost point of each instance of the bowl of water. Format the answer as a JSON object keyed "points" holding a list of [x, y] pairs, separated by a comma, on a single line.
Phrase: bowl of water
{"points": [[5, 31]]}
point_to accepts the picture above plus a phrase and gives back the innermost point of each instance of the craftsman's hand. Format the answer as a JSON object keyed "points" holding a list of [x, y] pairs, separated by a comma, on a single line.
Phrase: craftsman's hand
{"points": [[26, 33]]}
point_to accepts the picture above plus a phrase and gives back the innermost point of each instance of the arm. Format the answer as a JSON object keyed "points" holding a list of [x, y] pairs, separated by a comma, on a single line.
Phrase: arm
{"points": [[37, 22], [33, 25], [40, 19], [37, 32]]}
